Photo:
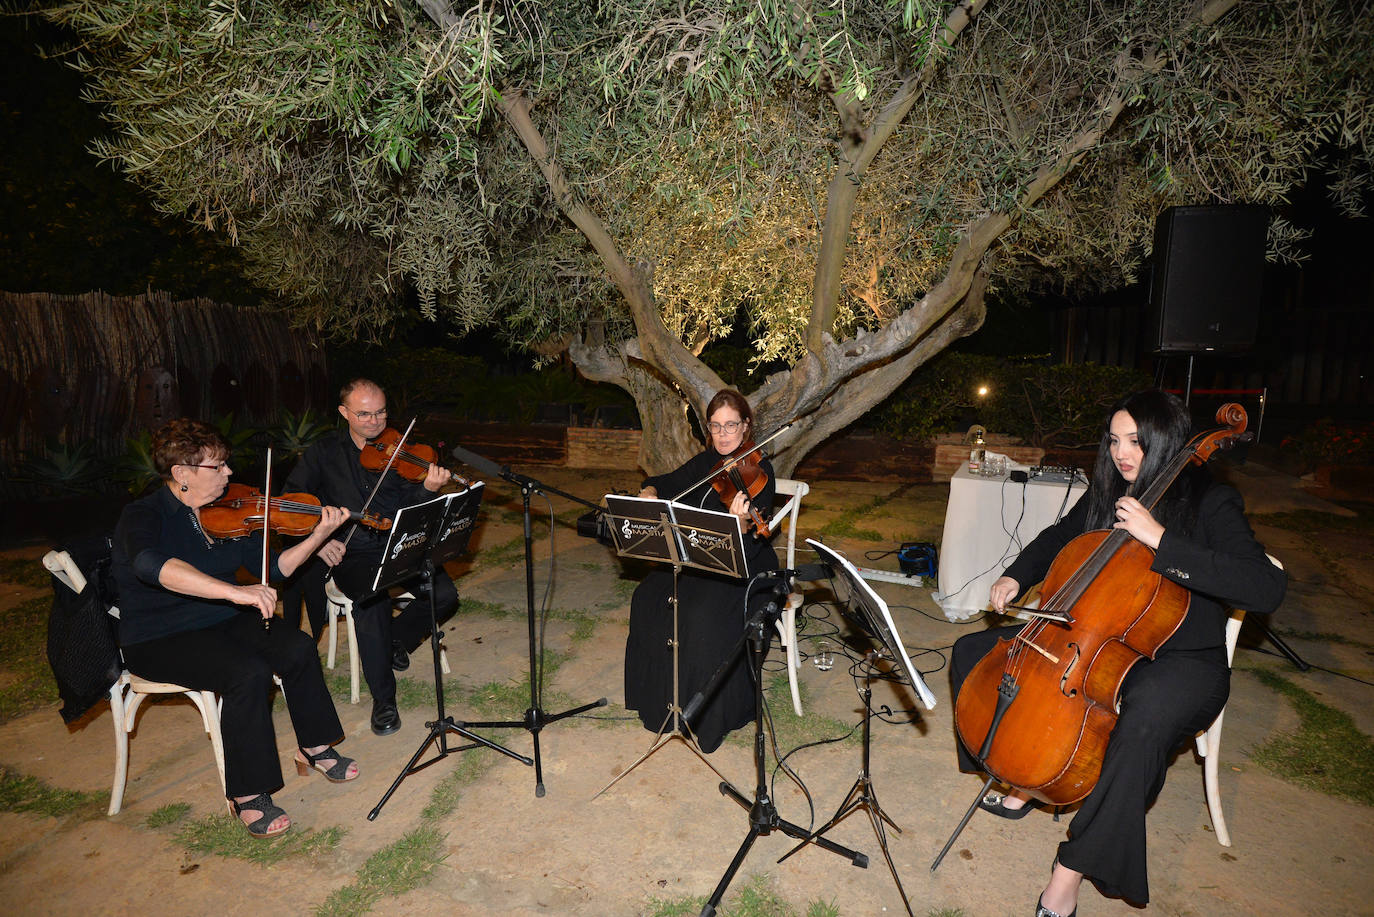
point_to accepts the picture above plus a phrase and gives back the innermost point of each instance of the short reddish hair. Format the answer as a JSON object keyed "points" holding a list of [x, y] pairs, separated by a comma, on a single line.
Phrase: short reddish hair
{"points": [[186, 442]]}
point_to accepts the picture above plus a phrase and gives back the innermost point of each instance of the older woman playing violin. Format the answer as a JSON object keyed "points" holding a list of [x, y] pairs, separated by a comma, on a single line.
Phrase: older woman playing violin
{"points": [[711, 609], [182, 621]]}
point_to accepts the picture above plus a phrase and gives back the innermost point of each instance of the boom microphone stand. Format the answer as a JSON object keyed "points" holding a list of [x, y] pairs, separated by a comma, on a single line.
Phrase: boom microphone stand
{"points": [[535, 717], [763, 814]]}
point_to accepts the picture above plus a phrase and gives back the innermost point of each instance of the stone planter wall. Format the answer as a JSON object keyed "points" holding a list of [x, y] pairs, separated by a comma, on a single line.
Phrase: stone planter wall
{"points": [[596, 447], [951, 452]]}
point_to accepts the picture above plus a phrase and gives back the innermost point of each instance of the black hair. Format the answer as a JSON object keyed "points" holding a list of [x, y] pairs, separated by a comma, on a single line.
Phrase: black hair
{"points": [[1163, 429]]}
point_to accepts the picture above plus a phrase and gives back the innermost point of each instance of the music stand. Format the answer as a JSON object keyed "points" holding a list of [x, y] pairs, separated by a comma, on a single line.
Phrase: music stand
{"points": [[683, 536], [423, 537], [871, 613]]}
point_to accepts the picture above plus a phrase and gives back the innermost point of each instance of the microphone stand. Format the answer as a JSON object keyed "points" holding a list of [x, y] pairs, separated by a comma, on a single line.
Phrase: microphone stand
{"points": [[535, 717], [763, 814]]}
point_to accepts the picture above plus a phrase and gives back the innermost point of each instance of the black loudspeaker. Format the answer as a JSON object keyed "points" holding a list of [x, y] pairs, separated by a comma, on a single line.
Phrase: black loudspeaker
{"points": [[1208, 272]]}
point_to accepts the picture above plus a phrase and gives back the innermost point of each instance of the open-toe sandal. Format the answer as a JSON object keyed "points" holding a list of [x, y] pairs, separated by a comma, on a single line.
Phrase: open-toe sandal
{"points": [[334, 773], [270, 813], [995, 803]]}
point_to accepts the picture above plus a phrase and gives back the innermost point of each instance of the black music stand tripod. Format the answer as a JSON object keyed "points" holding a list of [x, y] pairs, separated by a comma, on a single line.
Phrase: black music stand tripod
{"points": [[650, 529], [440, 529], [862, 795], [535, 718], [763, 813]]}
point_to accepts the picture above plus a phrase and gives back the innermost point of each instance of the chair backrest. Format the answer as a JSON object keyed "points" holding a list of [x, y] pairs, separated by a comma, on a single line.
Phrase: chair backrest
{"points": [[794, 491], [61, 565]]}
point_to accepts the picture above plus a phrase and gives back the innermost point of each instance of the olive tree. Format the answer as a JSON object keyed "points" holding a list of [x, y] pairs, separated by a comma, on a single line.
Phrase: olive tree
{"points": [[626, 181]]}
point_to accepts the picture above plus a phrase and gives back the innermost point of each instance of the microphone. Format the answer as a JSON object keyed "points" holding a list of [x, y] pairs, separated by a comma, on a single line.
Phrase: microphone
{"points": [[806, 572], [484, 465]]}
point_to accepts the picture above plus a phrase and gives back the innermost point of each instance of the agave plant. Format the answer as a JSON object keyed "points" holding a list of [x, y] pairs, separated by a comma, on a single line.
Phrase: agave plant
{"points": [[293, 433], [135, 469], [61, 469]]}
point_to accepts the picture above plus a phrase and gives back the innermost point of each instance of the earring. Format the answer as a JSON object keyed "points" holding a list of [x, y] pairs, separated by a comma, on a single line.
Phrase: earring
{"points": [[184, 488]]}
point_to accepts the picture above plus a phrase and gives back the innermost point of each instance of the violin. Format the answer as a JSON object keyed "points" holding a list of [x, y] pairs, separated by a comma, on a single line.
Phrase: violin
{"points": [[1048, 696], [242, 508], [740, 472], [412, 461]]}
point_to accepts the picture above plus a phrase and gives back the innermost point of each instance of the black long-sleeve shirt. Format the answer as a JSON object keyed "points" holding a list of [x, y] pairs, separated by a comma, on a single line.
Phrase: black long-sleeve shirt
{"points": [[332, 470], [154, 530]]}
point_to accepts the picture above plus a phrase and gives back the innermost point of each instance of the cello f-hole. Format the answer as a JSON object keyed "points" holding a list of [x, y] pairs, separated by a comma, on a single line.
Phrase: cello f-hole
{"points": [[1068, 670]]}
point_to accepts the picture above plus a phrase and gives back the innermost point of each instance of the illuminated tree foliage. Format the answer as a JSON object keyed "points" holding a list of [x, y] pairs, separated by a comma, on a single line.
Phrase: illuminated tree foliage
{"points": [[624, 179]]}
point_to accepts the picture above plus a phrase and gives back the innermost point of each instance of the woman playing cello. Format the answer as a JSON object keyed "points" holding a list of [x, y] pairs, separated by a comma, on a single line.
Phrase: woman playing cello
{"points": [[1203, 543], [711, 610]]}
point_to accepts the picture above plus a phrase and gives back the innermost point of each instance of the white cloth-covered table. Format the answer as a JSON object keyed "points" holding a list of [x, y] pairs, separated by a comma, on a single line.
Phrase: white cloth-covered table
{"points": [[987, 523]]}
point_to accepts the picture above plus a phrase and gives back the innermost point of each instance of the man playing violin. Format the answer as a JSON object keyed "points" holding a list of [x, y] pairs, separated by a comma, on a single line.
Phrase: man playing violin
{"points": [[332, 470]]}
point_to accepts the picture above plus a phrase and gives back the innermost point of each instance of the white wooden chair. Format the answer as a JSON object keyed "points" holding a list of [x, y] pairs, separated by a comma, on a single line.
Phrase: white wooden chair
{"points": [[1209, 741], [341, 606], [787, 624], [129, 691]]}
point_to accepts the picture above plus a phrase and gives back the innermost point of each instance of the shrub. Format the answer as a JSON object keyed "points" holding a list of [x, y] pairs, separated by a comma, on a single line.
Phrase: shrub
{"points": [[1051, 406], [1329, 443]]}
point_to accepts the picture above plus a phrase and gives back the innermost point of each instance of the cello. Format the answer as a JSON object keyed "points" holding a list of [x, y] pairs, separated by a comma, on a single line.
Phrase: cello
{"points": [[1040, 707]]}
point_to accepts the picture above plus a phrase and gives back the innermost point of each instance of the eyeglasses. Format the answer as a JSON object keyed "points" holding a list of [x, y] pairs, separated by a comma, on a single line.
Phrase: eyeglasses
{"points": [[368, 415], [730, 426], [217, 466]]}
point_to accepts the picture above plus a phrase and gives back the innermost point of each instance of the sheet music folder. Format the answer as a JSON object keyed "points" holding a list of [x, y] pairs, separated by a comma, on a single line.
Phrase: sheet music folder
{"points": [[693, 537], [438, 529]]}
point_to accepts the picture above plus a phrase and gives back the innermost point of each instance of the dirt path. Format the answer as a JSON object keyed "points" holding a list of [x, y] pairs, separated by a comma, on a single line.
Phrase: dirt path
{"points": [[666, 831]]}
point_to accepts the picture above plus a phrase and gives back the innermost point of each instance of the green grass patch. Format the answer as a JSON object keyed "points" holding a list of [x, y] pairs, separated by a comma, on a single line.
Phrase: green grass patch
{"points": [[501, 555], [23, 572], [756, 898], [845, 525], [22, 793], [444, 800], [24, 659], [489, 609], [224, 835], [792, 730], [1327, 753], [1307, 521], [1321, 637], [394, 870], [169, 814]]}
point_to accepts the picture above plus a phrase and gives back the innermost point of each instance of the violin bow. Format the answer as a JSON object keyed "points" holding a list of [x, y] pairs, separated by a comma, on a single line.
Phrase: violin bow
{"points": [[736, 460], [266, 527]]}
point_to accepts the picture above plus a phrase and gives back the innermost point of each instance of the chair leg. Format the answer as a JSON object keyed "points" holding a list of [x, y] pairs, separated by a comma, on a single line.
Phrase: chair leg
{"points": [[1210, 767], [121, 737], [334, 612], [353, 663]]}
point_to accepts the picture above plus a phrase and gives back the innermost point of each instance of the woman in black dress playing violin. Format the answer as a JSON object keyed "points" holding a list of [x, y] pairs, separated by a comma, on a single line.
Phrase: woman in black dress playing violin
{"points": [[711, 610], [1203, 543]]}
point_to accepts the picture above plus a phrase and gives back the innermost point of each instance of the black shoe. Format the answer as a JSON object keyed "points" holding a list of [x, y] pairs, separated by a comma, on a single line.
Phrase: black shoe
{"points": [[385, 719], [400, 659], [1042, 911], [993, 802]]}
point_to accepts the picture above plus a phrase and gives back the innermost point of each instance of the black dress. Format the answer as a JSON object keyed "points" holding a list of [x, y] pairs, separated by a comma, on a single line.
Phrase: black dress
{"points": [[711, 618], [1164, 701]]}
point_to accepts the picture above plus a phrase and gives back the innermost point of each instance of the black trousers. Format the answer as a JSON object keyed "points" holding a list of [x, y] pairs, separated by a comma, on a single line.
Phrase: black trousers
{"points": [[236, 658], [372, 618], [306, 587], [1164, 703]]}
